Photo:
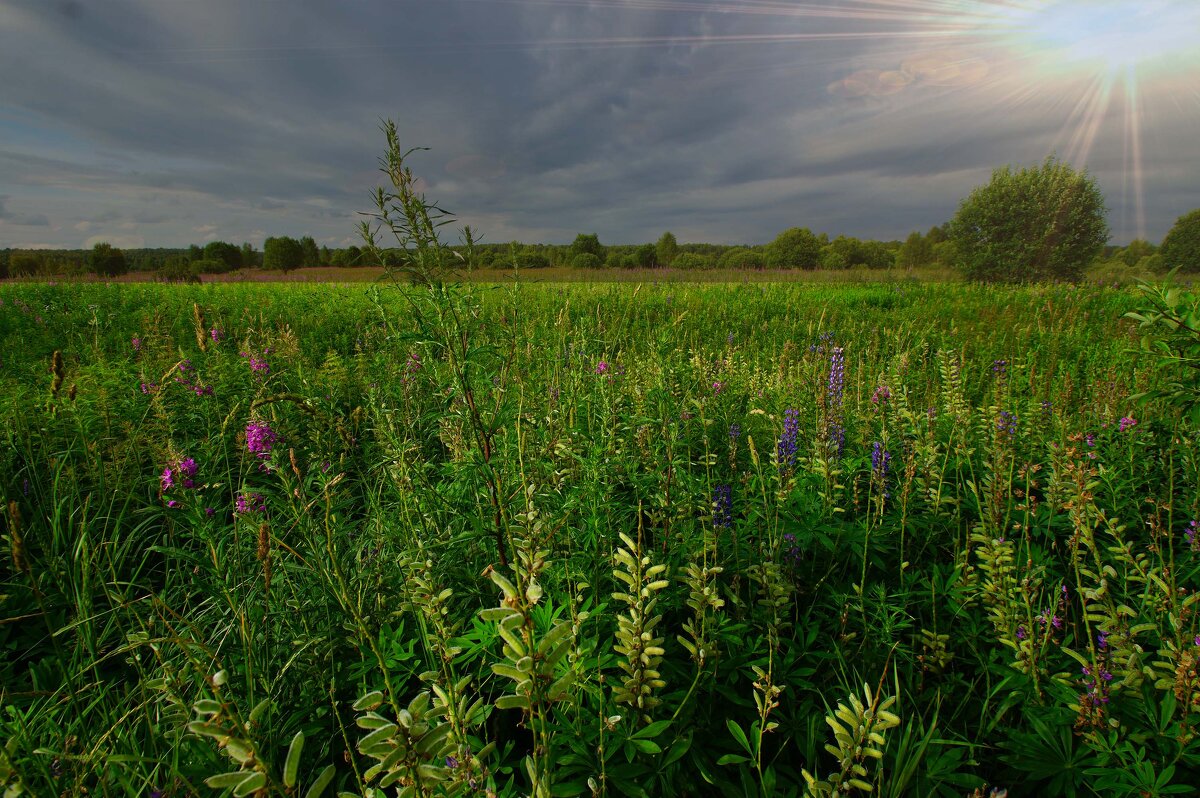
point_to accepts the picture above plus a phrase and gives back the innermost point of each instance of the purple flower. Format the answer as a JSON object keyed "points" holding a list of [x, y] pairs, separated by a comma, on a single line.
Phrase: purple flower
{"points": [[1021, 632], [722, 502], [209, 512], [451, 762], [1126, 422], [137, 344], [187, 468], [837, 376], [216, 335], [1090, 440], [602, 367], [717, 387], [1006, 423], [173, 504], [881, 395], [735, 432], [260, 438], [1000, 370], [1189, 535], [786, 448], [248, 503], [1102, 640], [168, 479]]}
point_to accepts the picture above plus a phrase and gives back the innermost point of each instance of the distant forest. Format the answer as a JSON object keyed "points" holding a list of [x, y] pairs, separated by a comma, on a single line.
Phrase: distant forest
{"points": [[795, 248]]}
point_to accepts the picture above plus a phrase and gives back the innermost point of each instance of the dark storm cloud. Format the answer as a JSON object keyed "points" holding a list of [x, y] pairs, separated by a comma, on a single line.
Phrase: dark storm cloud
{"points": [[143, 118]]}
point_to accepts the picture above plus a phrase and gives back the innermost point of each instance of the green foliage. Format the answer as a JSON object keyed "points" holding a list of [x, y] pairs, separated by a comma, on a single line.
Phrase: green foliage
{"points": [[666, 249], [106, 260], [587, 244], [282, 254], [310, 256], [586, 260], [24, 264], [1170, 321], [916, 251], [179, 269], [1181, 248], [224, 253], [741, 258], [1034, 224], [794, 248]]}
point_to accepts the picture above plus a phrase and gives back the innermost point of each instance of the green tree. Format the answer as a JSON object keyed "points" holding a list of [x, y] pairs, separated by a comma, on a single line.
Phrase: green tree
{"points": [[916, 251], [178, 269], [692, 261], [282, 254], [24, 264], [106, 260], [1041, 223], [1138, 248], [936, 235], [310, 256], [249, 258], [794, 248], [587, 245], [228, 254], [741, 258], [666, 249], [586, 260], [644, 257], [1181, 248]]}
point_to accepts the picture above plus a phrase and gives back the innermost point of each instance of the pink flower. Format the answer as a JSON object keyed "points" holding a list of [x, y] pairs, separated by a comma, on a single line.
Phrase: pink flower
{"points": [[1126, 422], [602, 367]]}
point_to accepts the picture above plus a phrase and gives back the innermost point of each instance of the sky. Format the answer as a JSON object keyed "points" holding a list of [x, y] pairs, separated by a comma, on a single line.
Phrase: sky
{"points": [[171, 122]]}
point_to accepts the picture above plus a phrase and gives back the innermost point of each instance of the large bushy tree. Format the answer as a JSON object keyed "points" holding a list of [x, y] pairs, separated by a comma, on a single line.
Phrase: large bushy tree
{"points": [[106, 260], [282, 254], [1036, 224], [794, 248], [666, 249], [1181, 248]]}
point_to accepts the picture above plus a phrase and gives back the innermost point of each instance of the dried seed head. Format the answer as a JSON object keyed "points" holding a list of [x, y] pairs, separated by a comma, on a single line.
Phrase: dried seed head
{"points": [[201, 327], [58, 370]]}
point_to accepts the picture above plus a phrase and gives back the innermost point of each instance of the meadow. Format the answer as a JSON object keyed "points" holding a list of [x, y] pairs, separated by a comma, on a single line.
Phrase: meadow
{"points": [[576, 539]]}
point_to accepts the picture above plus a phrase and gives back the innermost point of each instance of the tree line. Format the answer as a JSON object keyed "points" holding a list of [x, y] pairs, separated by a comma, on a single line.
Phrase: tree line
{"points": [[1045, 222]]}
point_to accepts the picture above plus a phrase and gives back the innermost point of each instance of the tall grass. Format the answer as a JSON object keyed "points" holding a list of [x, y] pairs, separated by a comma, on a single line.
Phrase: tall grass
{"points": [[967, 563]]}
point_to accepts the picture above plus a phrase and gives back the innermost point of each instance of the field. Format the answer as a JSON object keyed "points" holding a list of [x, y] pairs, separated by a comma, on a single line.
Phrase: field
{"points": [[576, 539]]}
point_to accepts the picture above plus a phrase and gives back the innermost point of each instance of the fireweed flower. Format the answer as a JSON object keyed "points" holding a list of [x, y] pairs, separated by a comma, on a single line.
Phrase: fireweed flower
{"points": [[602, 367], [260, 439], [717, 386], [881, 395], [187, 469], [1126, 422], [167, 479], [785, 450], [247, 503]]}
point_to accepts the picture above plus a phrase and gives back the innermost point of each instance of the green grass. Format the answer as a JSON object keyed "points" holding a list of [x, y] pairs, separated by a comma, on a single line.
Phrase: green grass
{"points": [[419, 478]]}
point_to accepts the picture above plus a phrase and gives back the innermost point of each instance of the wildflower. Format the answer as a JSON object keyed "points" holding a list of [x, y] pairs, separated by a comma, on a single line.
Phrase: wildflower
{"points": [[167, 479], [187, 468], [786, 448], [717, 386], [173, 504], [735, 432], [837, 375], [722, 501], [602, 367], [1102, 640], [1006, 423], [260, 438], [246, 503], [1021, 635], [451, 762], [881, 395], [1090, 440], [137, 344], [1126, 422], [216, 335], [1189, 535], [1000, 370], [209, 512]]}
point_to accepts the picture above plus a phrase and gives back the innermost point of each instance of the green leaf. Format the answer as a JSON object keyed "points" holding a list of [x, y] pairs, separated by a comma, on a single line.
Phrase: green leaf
{"points": [[739, 735], [732, 759], [318, 786], [653, 730], [292, 763]]}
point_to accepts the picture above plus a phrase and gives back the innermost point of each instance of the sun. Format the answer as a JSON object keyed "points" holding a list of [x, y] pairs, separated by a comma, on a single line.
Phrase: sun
{"points": [[1107, 34]]}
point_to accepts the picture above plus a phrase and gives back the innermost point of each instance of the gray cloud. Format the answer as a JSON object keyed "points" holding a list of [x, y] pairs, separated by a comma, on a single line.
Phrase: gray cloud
{"points": [[155, 120]]}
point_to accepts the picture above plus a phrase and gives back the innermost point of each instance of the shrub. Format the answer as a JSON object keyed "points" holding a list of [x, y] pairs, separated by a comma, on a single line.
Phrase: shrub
{"points": [[1181, 248], [1031, 225]]}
